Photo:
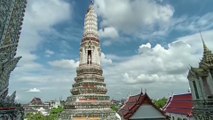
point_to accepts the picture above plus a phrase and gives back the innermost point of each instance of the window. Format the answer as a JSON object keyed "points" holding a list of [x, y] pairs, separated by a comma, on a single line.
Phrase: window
{"points": [[89, 57], [195, 88]]}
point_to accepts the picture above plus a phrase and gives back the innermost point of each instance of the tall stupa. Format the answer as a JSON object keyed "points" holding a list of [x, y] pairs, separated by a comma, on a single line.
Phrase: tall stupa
{"points": [[89, 100]]}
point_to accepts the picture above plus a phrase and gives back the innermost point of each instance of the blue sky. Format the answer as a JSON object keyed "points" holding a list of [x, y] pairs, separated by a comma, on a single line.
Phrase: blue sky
{"points": [[146, 44]]}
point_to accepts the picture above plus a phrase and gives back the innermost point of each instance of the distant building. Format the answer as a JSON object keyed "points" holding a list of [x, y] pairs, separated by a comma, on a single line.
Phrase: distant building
{"points": [[37, 106], [36, 101], [179, 107], [201, 84], [11, 18], [54, 103], [140, 107]]}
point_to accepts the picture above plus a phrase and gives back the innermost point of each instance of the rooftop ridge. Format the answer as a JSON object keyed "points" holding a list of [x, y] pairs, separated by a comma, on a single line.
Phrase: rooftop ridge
{"points": [[189, 93]]}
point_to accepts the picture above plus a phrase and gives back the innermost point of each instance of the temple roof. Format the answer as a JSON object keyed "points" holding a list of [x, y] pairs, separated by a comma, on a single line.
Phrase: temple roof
{"points": [[180, 104], [205, 64], [36, 101], [134, 103]]}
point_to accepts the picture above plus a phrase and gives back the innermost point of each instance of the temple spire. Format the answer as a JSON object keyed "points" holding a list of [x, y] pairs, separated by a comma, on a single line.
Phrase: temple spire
{"points": [[90, 23], [205, 48], [207, 54]]}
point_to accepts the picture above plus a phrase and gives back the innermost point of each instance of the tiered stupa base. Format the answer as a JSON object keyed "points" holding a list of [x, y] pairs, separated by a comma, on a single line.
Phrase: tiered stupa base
{"points": [[88, 114]]}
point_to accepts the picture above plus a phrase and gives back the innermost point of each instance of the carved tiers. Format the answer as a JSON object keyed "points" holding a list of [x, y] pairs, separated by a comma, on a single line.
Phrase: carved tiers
{"points": [[90, 24], [89, 70]]}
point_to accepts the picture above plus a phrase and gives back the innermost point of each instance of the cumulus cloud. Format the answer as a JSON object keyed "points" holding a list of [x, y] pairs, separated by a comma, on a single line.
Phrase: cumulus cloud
{"points": [[146, 19], [40, 16], [155, 63], [105, 60], [65, 64], [128, 16], [144, 48], [39, 19], [158, 68], [34, 90], [108, 32]]}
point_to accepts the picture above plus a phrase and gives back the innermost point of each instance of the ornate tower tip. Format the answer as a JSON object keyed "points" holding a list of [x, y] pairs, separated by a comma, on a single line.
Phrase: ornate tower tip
{"points": [[204, 44]]}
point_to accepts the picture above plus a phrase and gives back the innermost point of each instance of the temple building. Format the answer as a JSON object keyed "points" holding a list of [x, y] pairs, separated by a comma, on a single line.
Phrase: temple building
{"points": [[11, 18], [141, 107], [201, 84], [89, 99], [179, 107], [37, 106]]}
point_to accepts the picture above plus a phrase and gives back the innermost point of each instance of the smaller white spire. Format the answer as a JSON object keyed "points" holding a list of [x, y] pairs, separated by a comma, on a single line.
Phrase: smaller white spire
{"points": [[90, 23]]}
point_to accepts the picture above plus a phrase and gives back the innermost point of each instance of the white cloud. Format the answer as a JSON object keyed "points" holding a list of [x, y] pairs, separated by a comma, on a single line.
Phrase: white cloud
{"points": [[108, 32], [144, 48], [34, 90], [194, 24], [128, 16], [41, 15], [65, 64], [159, 61], [39, 18], [159, 68], [146, 19], [105, 60]]}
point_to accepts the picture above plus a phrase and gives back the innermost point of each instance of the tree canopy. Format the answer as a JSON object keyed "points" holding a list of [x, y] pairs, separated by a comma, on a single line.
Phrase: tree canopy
{"points": [[54, 115], [160, 103]]}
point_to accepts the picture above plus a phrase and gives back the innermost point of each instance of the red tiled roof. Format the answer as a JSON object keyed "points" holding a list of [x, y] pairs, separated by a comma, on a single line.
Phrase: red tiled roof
{"points": [[180, 104], [133, 103]]}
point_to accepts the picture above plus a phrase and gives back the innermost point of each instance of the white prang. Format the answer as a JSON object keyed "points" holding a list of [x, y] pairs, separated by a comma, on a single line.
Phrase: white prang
{"points": [[90, 23], [90, 51]]}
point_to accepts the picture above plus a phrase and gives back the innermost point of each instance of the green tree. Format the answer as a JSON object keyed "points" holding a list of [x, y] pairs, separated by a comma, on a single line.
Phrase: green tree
{"points": [[54, 115], [37, 116], [160, 103], [115, 107], [55, 112]]}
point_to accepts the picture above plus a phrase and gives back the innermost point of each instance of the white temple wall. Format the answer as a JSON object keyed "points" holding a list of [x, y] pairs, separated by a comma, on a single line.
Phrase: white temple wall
{"points": [[200, 89], [179, 116], [210, 82], [192, 89]]}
